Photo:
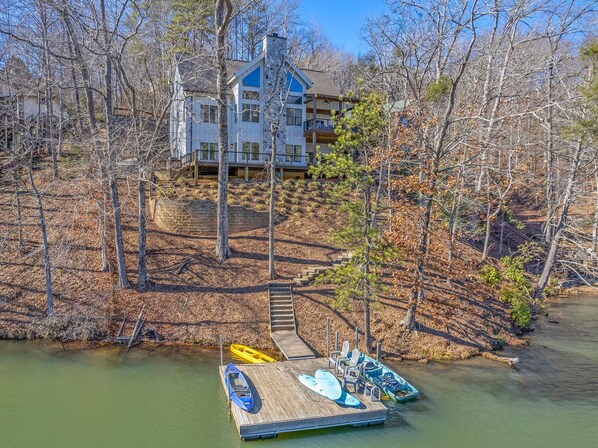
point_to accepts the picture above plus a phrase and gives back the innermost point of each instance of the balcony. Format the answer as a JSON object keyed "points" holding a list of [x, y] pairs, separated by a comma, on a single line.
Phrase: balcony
{"points": [[319, 124]]}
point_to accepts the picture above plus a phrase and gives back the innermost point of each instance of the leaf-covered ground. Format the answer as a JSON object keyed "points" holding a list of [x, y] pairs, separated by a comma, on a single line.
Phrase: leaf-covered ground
{"points": [[207, 299]]}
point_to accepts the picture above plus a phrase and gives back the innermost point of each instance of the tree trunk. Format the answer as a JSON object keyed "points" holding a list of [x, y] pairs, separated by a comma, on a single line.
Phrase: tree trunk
{"points": [[367, 326], [487, 234], [417, 293], [272, 210], [410, 322], [15, 178], [453, 229], [60, 124], [595, 226], [549, 156], [561, 225], [222, 17], [102, 205], [123, 280], [141, 264], [49, 131], [367, 231], [42, 225]]}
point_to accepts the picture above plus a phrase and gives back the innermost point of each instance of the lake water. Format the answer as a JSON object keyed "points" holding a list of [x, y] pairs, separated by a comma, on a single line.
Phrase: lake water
{"points": [[99, 398]]}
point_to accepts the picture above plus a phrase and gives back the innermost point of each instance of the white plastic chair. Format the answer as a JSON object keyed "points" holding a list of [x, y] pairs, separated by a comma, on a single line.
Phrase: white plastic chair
{"points": [[336, 355], [342, 364]]}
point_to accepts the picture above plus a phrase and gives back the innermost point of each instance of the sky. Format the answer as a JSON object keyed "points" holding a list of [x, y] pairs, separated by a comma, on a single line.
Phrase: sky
{"points": [[342, 20]]}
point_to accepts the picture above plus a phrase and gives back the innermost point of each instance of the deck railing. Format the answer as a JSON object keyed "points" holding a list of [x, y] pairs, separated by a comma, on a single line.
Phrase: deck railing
{"points": [[247, 158], [319, 124]]}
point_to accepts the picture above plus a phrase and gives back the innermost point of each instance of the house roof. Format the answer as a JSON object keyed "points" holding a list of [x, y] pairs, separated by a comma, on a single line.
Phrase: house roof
{"points": [[199, 75], [322, 84]]}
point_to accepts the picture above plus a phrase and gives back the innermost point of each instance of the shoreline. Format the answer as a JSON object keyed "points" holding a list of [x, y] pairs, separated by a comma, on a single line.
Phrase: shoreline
{"points": [[173, 346]]}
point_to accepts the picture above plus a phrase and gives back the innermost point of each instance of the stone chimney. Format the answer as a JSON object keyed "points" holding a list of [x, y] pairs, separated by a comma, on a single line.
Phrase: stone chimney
{"points": [[275, 52]]}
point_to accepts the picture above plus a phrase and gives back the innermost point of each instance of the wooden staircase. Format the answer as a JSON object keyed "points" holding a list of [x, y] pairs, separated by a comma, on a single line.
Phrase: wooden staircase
{"points": [[309, 275], [282, 322], [282, 314]]}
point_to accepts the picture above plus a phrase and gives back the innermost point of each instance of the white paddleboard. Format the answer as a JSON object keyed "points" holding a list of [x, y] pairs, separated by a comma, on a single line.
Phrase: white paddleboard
{"points": [[329, 384], [311, 383], [347, 399]]}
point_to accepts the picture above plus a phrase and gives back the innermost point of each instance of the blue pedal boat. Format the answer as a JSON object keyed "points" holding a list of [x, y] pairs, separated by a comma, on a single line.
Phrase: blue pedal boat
{"points": [[390, 382], [237, 388]]}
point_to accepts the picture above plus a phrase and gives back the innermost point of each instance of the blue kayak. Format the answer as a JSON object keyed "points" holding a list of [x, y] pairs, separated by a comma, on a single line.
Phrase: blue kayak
{"points": [[237, 388], [390, 382]]}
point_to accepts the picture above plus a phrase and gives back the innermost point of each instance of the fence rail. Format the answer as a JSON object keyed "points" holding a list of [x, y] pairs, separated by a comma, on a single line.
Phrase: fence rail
{"points": [[244, 158]]}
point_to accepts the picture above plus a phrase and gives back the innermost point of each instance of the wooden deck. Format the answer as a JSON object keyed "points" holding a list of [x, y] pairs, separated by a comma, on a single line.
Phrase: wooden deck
{"points": [[283, 404], [291, 345]]}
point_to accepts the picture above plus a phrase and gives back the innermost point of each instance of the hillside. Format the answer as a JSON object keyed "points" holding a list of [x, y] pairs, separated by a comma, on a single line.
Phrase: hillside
{"points": [[206, 299]]}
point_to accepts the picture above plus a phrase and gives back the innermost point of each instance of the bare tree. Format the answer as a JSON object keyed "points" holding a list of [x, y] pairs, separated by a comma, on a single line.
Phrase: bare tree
{"points": [[222, 16]]}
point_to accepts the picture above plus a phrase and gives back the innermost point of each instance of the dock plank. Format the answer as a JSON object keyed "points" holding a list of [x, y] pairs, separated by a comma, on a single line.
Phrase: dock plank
{"points": [[291, 345], [283, 404]]}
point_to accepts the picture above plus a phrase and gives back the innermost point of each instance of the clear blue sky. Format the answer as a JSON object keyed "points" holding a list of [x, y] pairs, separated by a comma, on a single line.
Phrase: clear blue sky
{"points": [[342, 20]]}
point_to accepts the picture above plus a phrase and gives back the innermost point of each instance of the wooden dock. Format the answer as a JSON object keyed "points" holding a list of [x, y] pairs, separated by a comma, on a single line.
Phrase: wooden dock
{"points": [[291, 345], [283, 404]]}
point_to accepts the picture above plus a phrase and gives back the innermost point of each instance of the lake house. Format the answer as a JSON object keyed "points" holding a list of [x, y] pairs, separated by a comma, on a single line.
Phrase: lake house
{"points": [[310, 96]]}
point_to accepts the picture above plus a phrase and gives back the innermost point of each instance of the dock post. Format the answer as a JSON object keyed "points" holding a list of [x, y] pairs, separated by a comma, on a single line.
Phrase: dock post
{"points": [[356, 337], [378, 350], [221, 352], [336, 341], [328, 337]]}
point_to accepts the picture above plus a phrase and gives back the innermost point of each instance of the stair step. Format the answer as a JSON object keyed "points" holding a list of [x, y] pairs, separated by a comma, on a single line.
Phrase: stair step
{"points": [[282, 327], [281, 300], [284, 315]]}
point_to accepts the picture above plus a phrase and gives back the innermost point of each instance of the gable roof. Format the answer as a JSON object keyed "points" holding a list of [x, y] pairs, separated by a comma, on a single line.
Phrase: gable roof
{"points": [[199, 75]]}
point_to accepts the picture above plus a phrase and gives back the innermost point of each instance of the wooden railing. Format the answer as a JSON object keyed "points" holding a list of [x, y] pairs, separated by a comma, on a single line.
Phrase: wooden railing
{"points": [[247, 158], [319, 124]]}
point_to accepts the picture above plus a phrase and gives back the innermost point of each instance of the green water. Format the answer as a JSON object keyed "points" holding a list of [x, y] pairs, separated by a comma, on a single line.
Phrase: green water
{"points": [[172, 398]]}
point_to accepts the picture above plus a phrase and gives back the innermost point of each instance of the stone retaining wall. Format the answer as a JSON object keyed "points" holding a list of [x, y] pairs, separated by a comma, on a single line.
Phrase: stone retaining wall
{"points": [[194, 217]]}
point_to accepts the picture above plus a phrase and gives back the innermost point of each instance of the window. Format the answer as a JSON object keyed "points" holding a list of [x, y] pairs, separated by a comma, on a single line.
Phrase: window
{"points": [[251, 113], [209, 114], [208, 151], [293, 153], [292, 84], [251, 95], [251, 151], [294, 116], [252, 79]]}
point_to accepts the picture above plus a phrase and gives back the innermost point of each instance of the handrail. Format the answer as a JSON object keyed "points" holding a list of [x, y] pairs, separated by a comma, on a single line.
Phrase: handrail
{"points": [[321, 124], [249, 158]]}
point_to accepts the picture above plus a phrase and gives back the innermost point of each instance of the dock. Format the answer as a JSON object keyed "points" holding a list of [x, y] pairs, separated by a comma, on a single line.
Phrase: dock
{"points": [[283, 404]]}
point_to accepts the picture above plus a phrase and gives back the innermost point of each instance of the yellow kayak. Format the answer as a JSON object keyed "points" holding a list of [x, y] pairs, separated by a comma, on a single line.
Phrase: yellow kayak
{"points": [[250, 355]]}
